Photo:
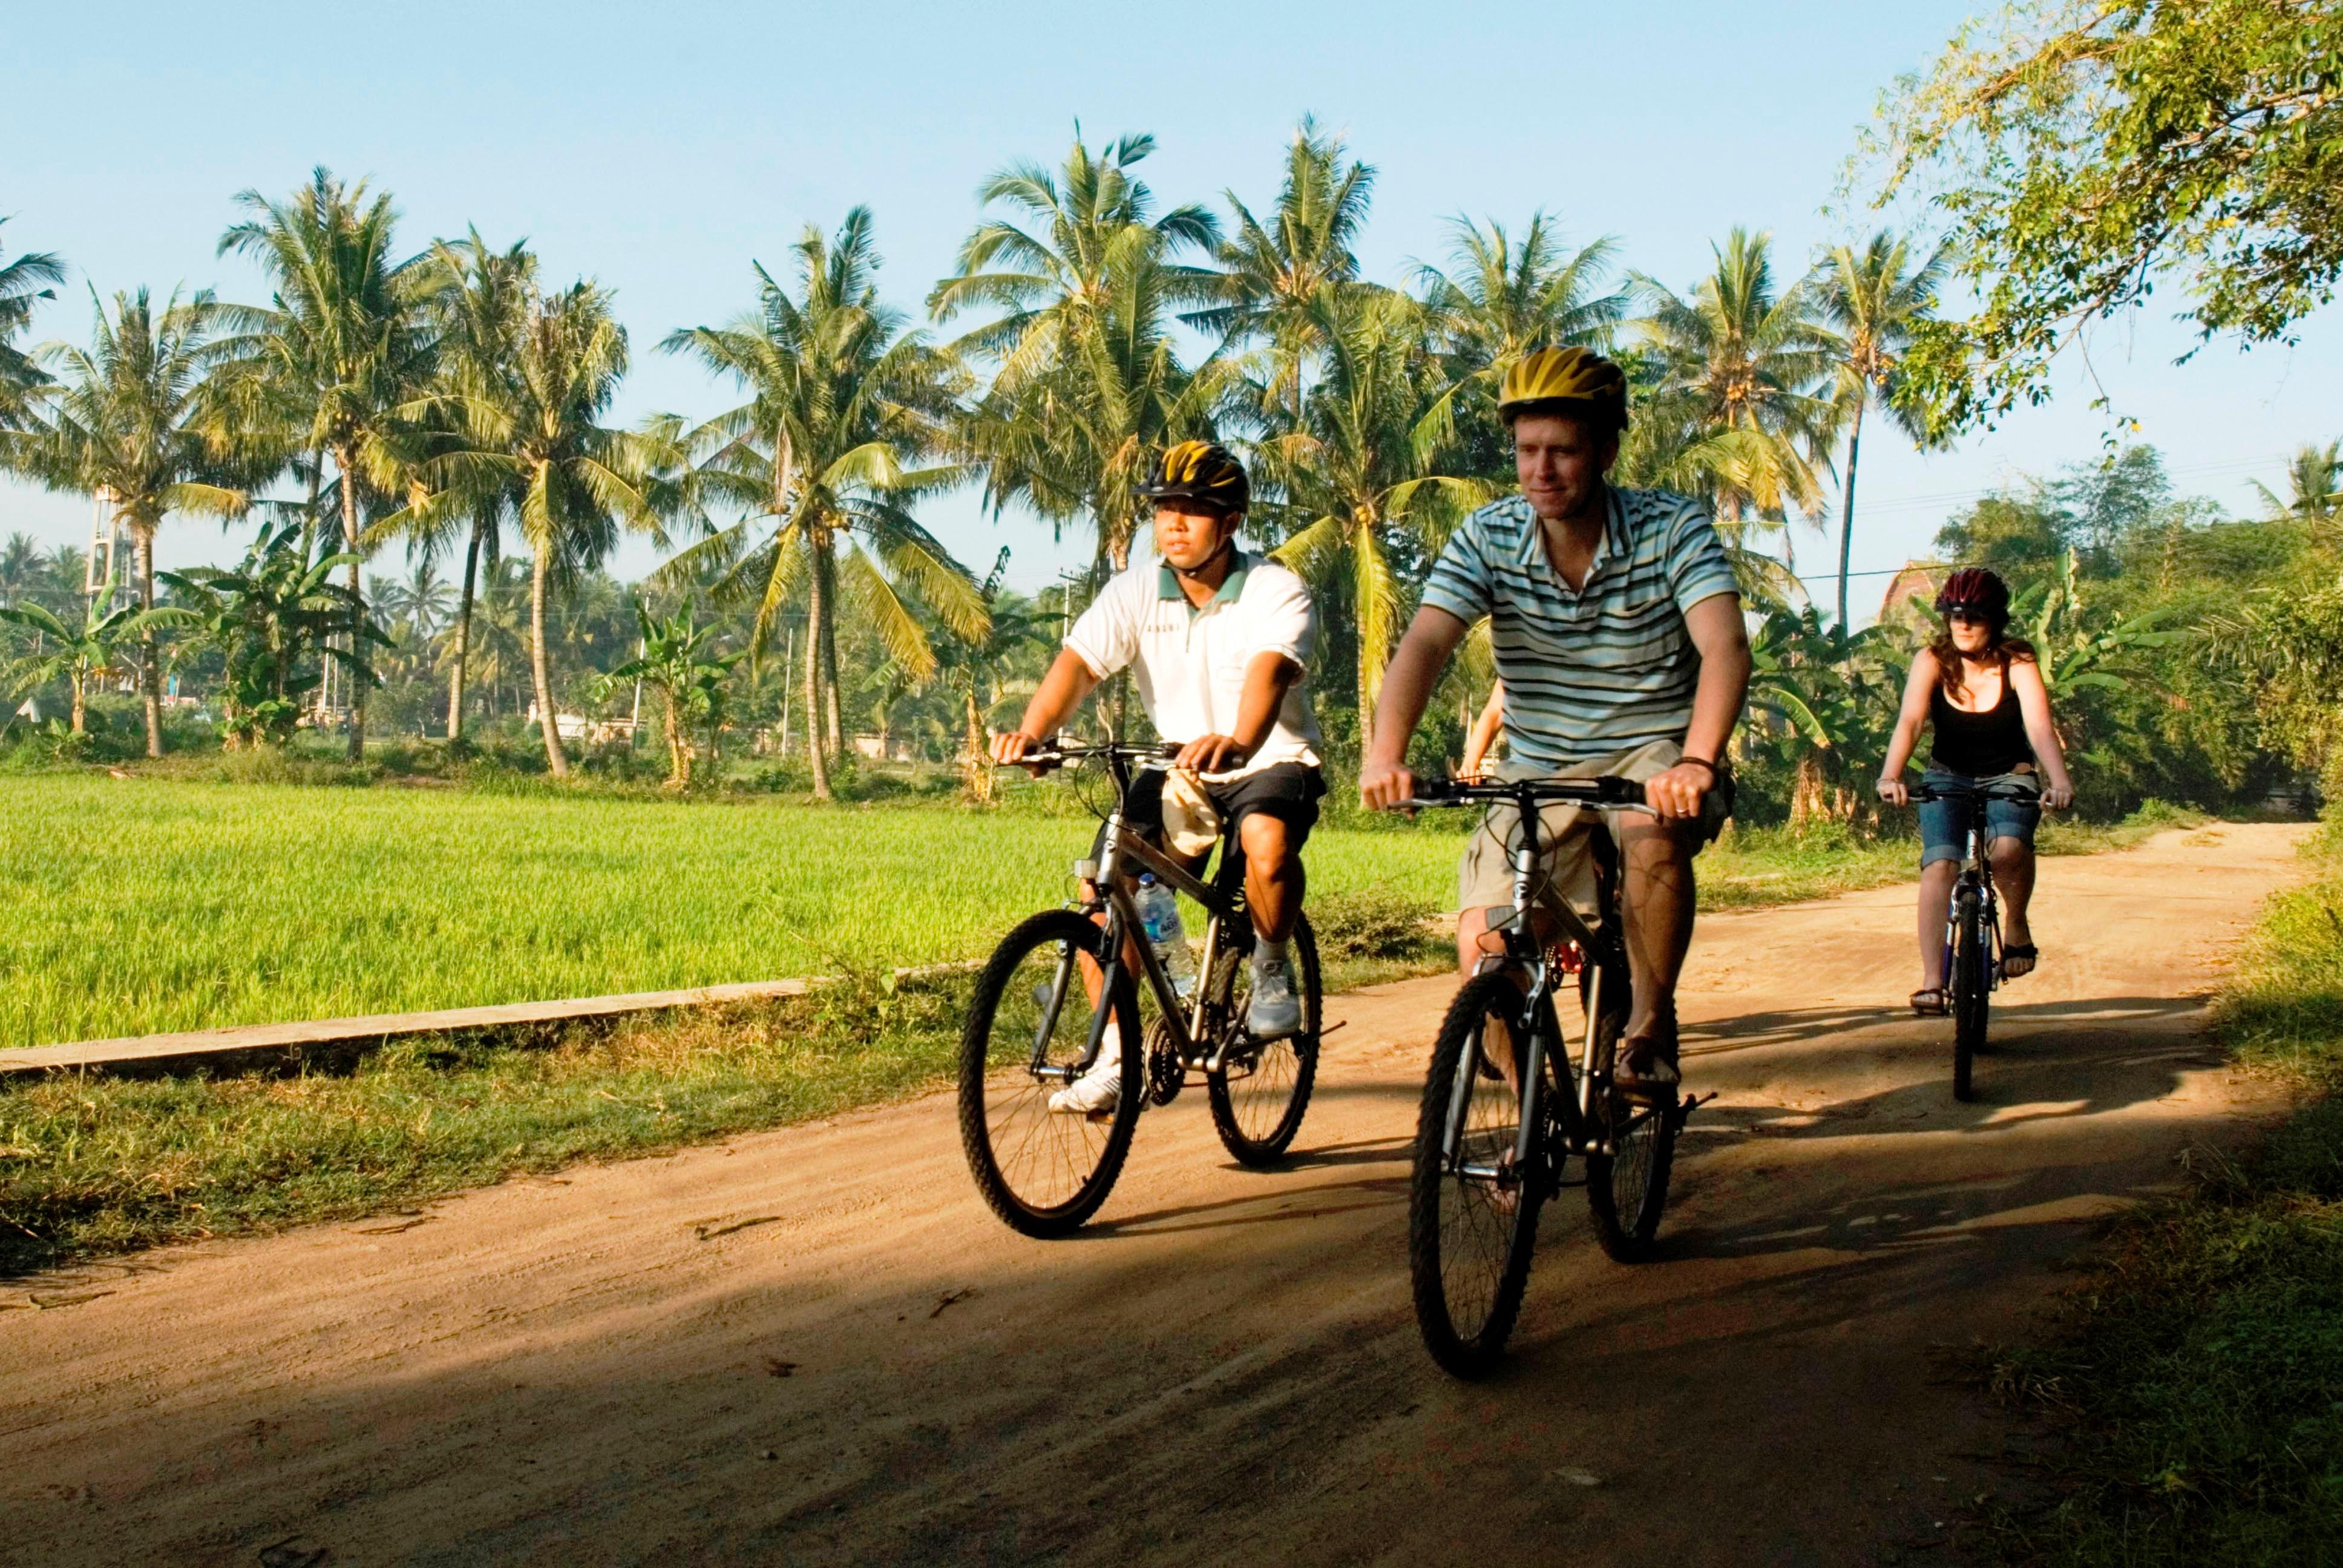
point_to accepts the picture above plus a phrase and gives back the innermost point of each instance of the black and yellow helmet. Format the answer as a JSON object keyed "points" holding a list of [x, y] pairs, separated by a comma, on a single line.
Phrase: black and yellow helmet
{"points": [[1201, 471], [1574, 380]]}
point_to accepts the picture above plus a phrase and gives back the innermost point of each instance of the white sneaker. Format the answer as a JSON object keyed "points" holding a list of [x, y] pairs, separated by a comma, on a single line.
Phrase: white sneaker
{"points": [[1275, 1011], [1095, 1092]]}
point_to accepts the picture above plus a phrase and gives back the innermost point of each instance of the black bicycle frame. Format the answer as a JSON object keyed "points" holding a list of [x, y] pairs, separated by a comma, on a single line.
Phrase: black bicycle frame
{"points": [[1119, 847], [1537, 1019], [1976, 869]]}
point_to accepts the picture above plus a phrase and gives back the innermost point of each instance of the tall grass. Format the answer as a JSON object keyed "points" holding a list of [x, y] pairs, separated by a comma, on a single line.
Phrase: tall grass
{"points": [[138, 906]]}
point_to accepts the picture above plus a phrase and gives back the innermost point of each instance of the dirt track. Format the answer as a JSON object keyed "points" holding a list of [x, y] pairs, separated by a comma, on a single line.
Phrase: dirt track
{"points": [[816, 1346]]}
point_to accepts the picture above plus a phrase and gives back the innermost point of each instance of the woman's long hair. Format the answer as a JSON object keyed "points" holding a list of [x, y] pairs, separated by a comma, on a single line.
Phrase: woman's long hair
{"points": [[1999, 645]]}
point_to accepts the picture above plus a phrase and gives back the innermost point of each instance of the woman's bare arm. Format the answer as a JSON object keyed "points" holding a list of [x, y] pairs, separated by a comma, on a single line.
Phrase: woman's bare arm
{"points": [[2025, 678], [1908, 721]]}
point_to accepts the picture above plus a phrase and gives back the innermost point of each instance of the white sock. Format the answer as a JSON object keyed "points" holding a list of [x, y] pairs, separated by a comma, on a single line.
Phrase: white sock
{"points": [[1266, 951]]}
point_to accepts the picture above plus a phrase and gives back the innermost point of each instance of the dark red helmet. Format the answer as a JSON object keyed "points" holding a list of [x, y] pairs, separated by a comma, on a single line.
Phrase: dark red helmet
{"points": [[1975, 588]]}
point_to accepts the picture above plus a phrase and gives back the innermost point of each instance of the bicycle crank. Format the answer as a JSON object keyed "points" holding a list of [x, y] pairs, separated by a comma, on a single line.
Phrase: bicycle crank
{"points": [[1166, 1073]]}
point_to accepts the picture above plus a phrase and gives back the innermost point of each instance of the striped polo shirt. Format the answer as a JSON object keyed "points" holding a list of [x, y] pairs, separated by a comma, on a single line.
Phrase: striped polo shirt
{"points": [[1606, 668]]}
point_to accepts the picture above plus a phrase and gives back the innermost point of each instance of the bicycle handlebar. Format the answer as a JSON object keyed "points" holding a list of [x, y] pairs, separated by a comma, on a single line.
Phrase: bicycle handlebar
{"points": [[1972, 792], [1610, 793], [1062, 753]]}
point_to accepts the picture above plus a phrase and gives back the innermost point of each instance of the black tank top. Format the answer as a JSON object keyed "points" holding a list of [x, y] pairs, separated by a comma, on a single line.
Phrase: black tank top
{"points": [[1979, 745]]}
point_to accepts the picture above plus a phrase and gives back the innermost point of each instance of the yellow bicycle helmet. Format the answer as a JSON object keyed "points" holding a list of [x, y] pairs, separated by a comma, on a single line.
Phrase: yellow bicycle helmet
{"points": [[1576, 380], [1201, 471]]}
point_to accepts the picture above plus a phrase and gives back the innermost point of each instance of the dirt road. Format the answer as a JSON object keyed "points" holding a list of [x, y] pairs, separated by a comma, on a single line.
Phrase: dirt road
{"points": [[816, 1346]]}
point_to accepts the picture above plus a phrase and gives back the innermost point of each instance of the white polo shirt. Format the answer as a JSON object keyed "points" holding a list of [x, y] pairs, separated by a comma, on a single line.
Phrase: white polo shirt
{"points": [[1190, 662]]}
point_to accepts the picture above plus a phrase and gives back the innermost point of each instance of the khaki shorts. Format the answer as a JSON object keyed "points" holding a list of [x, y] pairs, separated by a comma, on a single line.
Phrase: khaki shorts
{"points": [[1485, 876]]}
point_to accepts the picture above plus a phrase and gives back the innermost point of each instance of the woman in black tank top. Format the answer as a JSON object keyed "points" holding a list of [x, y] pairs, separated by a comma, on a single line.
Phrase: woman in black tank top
{"points": [[1982, 693]]}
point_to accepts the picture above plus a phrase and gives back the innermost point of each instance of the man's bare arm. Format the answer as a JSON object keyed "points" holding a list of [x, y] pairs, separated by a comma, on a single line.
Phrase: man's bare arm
{"points": [[1061, 691], [1267, 679], [1716, 629], [1423, 652]]}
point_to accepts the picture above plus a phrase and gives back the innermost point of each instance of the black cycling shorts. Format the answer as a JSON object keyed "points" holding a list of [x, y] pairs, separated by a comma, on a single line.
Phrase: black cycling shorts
{"points": [[1289, 791]]}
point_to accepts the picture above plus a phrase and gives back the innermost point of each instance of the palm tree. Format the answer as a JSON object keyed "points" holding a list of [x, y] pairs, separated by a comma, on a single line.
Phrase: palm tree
{"points": [[24, 284], [1505, 300], [1364, 471], [476, 300], [74, 652], [421, 599], [540, 436], [1088, 386], [1271, 273], [1738, 409], [841, 398], [2315, 482], [340, 349], [1873, 297], [22, 569], [129, 421]]}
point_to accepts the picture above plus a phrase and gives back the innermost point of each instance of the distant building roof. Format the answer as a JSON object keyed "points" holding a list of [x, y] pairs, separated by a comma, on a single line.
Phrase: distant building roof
{"points": [[1918, 579]]}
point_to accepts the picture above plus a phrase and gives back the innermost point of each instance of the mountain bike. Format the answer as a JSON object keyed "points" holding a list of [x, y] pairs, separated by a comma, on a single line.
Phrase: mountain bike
{"points": [[1505, 1108], [1972, 927], [1061, 990]]}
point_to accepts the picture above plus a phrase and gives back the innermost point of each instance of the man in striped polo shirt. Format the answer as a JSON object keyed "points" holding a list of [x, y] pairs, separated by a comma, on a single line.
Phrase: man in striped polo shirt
{"points": [[1621, 647]]}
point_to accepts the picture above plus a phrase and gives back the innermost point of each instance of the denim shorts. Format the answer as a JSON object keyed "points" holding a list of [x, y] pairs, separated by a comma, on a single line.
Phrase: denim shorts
{"points": [[1944, 824]]}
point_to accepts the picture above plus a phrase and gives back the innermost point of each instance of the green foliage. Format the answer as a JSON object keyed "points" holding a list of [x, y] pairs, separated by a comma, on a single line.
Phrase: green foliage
{"points": [[1377, 922], [270, 620], [2088, 150]]}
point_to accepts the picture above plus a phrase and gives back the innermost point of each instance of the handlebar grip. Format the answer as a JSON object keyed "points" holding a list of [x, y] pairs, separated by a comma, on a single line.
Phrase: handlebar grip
{"points": [[1616, 791]]}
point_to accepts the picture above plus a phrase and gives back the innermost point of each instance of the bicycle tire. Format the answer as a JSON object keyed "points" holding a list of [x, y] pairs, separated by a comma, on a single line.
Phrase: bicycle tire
{"points": [[1443, 1276], [1257, 1126], [1628, 1191], [1969, 992], [1004, 1110]]}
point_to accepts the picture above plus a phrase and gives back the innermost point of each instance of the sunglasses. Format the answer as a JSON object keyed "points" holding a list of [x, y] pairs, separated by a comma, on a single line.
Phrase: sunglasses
{"points": [[1967, 612]]}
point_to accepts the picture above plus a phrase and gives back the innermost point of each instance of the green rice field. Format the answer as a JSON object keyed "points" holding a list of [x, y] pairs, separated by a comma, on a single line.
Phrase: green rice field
{"points": [[136, 905]]}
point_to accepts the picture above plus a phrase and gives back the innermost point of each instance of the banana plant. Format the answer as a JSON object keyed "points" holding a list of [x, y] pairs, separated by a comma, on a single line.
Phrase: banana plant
{"points": [[79, 654], [274, 617], [675, 662]]}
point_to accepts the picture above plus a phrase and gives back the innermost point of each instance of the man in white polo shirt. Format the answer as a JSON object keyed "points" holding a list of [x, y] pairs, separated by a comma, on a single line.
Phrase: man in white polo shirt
{"points": [[1219, 640]]}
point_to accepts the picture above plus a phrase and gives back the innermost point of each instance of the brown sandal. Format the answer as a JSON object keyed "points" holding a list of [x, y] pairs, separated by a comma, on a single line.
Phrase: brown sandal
{"points": [[1924, 1007]]}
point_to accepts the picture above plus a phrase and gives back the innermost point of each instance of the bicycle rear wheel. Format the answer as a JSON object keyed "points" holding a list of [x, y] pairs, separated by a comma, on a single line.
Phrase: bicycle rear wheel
{"points": [[1970, 988], [1627, 1188], [1473, 1213], [1262, 1091], [1044, 1172]]}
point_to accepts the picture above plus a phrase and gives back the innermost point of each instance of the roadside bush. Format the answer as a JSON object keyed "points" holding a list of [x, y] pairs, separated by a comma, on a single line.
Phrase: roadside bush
{"points": [[1375, 923]]}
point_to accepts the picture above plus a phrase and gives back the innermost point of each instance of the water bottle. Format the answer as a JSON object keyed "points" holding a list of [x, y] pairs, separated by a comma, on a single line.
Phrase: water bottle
{"points": [[1159, 914]]}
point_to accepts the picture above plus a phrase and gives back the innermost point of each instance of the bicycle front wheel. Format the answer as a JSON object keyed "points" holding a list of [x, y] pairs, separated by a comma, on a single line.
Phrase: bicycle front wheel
{"points": [[1044, 1172], [1473, 1210], [1627, 1188], [1263, 1087], [1971, 990]]}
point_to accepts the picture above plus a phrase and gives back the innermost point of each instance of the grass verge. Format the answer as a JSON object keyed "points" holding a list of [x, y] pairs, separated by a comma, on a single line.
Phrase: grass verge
{"points": [[2199, 1365]]}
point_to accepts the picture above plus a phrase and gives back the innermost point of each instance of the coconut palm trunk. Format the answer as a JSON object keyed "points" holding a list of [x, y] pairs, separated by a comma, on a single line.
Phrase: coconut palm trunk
{"points": [[833, 726], [464, 633], [151, 664], [346, 459], [817, 634], [978, 767], [541, 566], [1846, 519]]}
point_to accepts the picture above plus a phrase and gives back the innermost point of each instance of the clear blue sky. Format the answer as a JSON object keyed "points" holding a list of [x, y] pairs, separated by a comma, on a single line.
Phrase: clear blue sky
{"points": [[659, 148]]}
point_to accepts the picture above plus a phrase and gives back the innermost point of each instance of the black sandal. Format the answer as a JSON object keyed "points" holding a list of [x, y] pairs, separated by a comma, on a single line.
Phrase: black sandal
{"points": [[1925, 1007], [2026, 954]]}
